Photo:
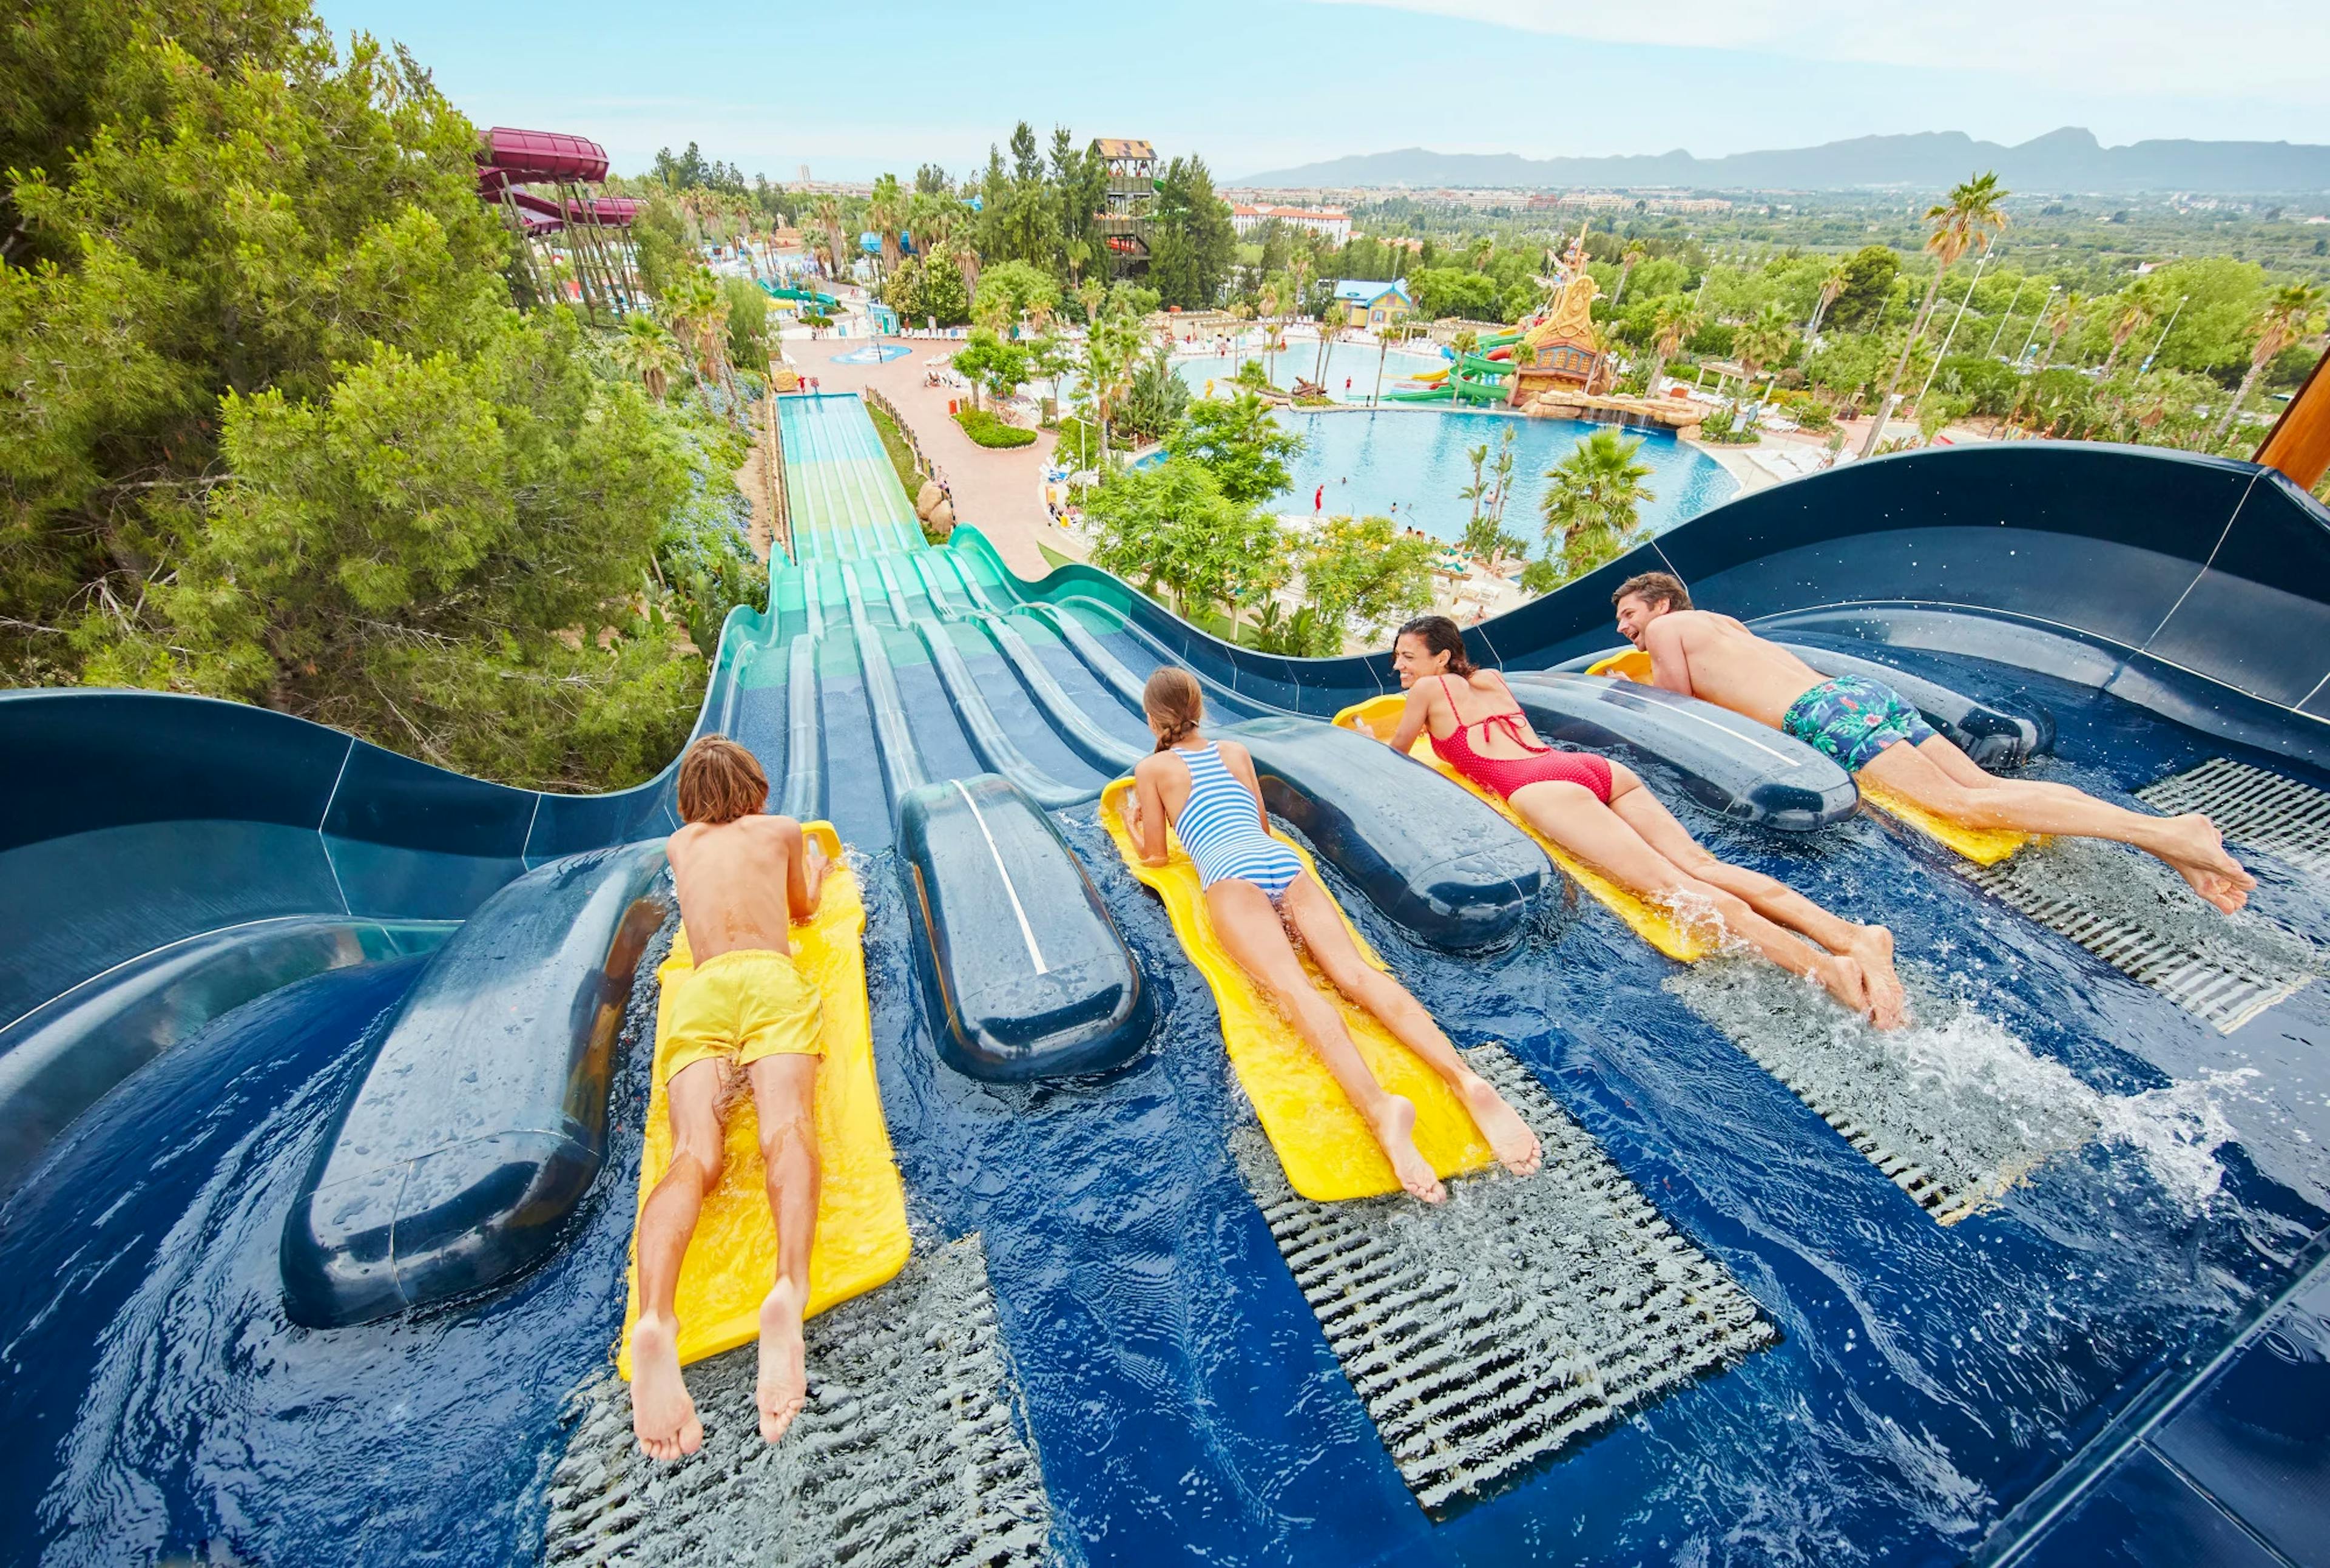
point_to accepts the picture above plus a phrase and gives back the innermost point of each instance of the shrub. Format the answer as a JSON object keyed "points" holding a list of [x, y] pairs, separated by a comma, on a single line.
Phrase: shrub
{"points": [[990, 431]]}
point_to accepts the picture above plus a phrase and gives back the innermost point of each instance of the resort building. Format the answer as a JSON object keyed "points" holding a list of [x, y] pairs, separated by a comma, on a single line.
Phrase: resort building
{"points": [[1331, 222], [1366, 304], [1123, 221]]}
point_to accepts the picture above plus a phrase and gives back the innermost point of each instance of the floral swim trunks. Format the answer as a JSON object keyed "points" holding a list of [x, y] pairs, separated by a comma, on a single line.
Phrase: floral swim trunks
{"points": [[1852, 719]]}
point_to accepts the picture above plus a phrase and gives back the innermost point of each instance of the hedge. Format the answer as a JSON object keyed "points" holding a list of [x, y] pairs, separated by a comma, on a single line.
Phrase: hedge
{"points": [[988, 431]]}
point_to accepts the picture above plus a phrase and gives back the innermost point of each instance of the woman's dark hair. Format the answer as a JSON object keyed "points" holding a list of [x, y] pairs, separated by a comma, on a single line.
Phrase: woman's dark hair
{"points": [[1440, 636], [1173, 699]]}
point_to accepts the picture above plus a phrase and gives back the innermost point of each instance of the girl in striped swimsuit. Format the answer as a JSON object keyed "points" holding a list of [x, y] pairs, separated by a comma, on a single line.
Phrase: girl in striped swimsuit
{"points": [[1600, 812], [1255, 889]]}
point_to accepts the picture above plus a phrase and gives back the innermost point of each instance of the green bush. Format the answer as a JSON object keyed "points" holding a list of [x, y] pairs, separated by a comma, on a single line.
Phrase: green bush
{"points": [[988, 431]]}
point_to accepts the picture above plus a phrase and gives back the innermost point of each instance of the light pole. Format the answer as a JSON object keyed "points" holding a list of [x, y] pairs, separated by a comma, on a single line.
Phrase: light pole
{"points": [[1991, 351], [2025, 356], [2146, 366], [1935, 368]]}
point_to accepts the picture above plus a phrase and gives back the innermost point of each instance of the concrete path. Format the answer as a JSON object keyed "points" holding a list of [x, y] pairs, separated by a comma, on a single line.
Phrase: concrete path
{"points": [[999, 493]]}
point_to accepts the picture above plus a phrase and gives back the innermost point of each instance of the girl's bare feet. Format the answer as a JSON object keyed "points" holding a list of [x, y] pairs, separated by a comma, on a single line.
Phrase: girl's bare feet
{"points": [[783, 1385], [663, 1417], [1510, 1138], [1395, 1130], [1873, 948]]}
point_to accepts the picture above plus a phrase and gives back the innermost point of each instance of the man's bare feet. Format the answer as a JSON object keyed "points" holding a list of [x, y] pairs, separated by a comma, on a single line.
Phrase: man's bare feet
{"points": [[663, 1417], [1873, 948], [1510, 1138], [1395, 1130], [783, 1385], [1842, 976], [2194, 847]]}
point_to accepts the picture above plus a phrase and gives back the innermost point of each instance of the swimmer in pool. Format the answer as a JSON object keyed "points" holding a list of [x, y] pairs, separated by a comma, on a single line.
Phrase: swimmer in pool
{"points": [[746, 1012], [1871, 731], [1600, 812], [1255, 889]]}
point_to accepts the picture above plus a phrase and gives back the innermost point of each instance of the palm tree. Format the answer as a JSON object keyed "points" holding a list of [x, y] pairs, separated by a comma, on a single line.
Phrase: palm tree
{"points": [[2133, 315], [1503, 469], [1594, 506], [647, 351], [1769, 339], [1079, 252], [885, 215], [1478, 457], [697, 315], [1626, 263], [1112, 352], [828, 218], [1675, 324], [1970, 216], [2289, 315], [1328, 328], [1268, 300], [1831, 287]]}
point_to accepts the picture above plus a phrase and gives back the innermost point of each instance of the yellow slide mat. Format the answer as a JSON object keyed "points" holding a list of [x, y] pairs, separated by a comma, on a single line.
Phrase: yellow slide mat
{"points": [[861, 1211], [1983, 846], [1326, 1150], [1652, 924]]}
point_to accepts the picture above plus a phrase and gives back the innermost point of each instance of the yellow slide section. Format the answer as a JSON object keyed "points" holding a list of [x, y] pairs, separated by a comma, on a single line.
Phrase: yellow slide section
{"points": [[861, 1211], [1326, 1150], [1380, 716], [1983, 846]]}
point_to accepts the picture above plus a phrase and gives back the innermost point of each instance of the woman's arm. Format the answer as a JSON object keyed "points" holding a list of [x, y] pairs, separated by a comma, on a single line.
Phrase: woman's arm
{"points": [[1413, 717]]}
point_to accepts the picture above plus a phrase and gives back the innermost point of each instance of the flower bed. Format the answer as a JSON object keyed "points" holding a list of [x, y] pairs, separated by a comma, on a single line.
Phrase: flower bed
{"points": [[988, 431]]}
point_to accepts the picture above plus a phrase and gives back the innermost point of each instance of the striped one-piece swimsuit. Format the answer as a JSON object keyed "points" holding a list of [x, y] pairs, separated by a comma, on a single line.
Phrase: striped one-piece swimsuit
{"points": [[1223, 833]]}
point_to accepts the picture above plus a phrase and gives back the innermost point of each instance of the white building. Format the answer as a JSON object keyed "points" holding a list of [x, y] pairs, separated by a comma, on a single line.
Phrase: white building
{"points": [[1332, 221]]}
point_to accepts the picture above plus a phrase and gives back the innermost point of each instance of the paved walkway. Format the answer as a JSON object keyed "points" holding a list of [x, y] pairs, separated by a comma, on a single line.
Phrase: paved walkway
{"points": [[999, 493]]}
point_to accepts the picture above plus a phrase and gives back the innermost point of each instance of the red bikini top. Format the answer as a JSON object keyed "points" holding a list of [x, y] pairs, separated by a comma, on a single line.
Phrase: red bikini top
{"points": [[1513, 725]]}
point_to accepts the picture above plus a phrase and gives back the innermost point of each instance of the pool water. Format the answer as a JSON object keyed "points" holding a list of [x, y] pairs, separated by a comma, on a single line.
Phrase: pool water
{"points": [[1354, 362], [1419, 458], [874, 354]]}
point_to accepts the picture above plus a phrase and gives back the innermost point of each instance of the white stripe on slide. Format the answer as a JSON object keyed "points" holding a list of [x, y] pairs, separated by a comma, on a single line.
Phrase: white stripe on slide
{"points": [[1027, 932]]}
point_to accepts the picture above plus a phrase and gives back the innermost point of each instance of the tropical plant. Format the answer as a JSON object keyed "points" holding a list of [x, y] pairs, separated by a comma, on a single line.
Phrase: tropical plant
{"points": [[1171, 530], [1770, 339], [1490, 545], [1968, 216], [885, 215], [828, 218], [2294, 312], [1478, 491], [1593, 508], [1503, 468], [990, 431], [1363, 575], [648, 352], [1154, 397], [2131, 315], [1237, 441], [1626, 265], [990, 362], [1670, 330], [1832, 285]]}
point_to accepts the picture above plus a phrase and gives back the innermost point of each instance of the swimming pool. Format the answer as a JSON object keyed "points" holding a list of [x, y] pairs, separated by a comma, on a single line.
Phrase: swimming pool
{"points": [[1418, 461], [1351, 361]]}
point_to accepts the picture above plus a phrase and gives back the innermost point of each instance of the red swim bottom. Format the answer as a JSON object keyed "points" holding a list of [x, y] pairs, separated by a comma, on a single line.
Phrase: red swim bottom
{"points": [[1504, 774]]}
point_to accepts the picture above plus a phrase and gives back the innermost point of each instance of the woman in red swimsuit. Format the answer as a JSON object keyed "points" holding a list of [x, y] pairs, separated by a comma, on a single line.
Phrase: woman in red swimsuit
{"points": [[1598, 811]]}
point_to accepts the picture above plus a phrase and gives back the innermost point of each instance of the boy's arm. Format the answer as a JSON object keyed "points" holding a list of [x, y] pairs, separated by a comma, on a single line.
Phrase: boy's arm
{"points": [[1669, 662], [804, 869]]}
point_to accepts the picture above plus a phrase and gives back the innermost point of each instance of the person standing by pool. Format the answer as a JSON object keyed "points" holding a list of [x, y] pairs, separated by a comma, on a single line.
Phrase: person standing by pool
{"points": [[746, 1012], [1319, 501], [1256, 890], [1863, 725], [1600, 812]]}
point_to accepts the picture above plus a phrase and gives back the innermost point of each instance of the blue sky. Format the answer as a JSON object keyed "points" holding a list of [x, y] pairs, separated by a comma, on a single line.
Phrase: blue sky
{"points": [[1260, 84]]}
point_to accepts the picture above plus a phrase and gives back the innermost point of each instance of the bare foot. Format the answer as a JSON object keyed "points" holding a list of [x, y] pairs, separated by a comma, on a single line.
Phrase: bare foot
{"points": [[663, 1417], [2196, 851], [1842, 978], [1396, 1131], [1510, 1138], [1873, 948], [783, 1385]]}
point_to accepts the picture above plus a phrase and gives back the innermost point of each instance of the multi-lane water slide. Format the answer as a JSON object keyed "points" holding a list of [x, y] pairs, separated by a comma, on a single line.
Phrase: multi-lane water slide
{"points": [[173, 865]]}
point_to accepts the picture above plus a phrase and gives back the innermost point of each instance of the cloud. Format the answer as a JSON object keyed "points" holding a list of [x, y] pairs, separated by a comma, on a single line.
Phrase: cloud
{"points": [[2126, 47]]}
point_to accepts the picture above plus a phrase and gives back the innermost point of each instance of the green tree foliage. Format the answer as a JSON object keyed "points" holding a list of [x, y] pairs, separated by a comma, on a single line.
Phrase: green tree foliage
{"points": [[1155, 399], [1455, 292], [748, 323], [1362, 575], [1021, 290], [1171, 530], [927, 289], [1192, 244], [991, 362], [1237, 441], [274, 431], [659, 240], [1867, 285], [1593, 510]]}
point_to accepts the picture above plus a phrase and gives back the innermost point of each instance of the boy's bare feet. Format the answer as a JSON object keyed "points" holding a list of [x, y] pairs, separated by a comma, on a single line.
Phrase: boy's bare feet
{"points": [[1510, 1138], [2192, 845], [1873, 948], [1396, 1131], [783, 1385], [663, 1417]]}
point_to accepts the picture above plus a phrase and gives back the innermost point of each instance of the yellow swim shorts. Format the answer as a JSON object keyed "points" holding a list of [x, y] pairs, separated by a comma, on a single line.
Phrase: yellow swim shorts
{"points": [[740, 1007]]}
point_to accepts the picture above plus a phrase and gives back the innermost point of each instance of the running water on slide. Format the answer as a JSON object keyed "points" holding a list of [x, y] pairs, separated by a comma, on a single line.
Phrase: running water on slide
{"points": [[241, 999]]}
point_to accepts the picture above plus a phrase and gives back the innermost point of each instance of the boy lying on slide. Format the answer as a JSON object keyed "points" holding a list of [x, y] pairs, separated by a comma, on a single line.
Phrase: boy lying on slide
{"points": [[742, 877], [1863, 726], [1600, 812], [1255, 887]]}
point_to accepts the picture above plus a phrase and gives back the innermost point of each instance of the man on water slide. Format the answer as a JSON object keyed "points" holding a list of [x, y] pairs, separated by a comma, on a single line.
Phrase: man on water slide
{"points": [[1863, 725]]}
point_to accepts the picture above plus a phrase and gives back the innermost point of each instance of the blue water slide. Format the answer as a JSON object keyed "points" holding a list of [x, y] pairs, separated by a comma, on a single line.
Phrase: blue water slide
{"points": [[169, 860]]}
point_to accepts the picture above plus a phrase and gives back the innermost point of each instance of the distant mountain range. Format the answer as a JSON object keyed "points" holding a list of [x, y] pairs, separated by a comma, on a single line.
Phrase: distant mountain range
{"points": [[2060, 162]]}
